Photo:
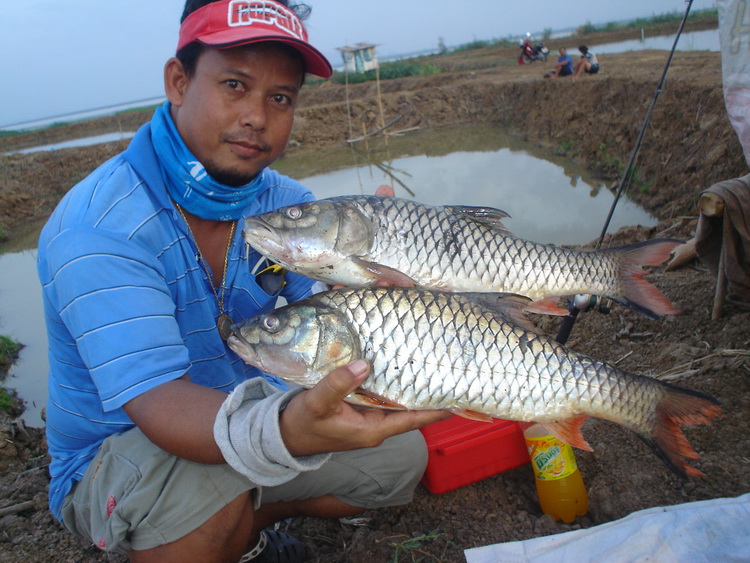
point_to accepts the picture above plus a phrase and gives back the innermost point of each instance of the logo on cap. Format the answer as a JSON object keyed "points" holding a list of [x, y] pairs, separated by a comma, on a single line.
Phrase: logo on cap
{"points": [[242, 13]]}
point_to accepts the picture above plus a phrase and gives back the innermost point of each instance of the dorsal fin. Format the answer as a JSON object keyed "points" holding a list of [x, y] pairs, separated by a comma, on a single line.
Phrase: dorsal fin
{"points": [[486, 215], [510, 306]]}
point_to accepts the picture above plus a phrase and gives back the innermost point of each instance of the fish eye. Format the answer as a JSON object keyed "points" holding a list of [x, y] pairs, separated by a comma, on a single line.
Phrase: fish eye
{"points": [[294, 212], [271, 323]]}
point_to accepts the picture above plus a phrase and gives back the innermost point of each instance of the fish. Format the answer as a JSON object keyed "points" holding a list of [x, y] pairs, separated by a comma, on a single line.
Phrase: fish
{"points": [[474, 354], [363, 241]]}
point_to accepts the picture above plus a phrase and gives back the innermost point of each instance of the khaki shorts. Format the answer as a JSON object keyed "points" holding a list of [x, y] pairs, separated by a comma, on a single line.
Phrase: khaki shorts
{"points": [[136, 496]]}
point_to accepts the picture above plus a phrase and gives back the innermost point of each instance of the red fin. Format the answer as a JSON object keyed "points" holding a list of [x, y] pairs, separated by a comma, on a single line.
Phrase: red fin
{"points": [[678, 408], [473, 415], [383, 275], [546, 306], [569, 431], [638, 294], [367, 399]]}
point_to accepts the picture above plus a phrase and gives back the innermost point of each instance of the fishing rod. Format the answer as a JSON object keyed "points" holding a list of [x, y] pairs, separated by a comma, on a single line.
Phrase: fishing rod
{"points": [[588, 302]]}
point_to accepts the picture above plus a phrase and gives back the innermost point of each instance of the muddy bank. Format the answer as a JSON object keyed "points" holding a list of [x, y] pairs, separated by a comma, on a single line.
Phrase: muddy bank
{"points": [[688, 146]]}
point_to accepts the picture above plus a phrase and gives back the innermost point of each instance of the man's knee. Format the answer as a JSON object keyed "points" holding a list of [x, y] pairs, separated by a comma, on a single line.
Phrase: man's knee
{"points": [[224, 536], [367, 478], [414, 451], [392, 474]]}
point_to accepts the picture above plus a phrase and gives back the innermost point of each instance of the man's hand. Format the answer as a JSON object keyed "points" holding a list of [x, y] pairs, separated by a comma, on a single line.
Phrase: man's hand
{"points": [[319, 421]]}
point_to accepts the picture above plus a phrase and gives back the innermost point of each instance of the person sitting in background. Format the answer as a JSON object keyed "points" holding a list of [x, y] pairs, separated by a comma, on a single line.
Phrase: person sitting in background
{"points": [[588, 63], [564, 66]]}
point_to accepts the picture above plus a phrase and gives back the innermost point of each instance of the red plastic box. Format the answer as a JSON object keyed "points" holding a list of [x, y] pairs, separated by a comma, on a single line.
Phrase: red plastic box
{"points": [[463, 451]]}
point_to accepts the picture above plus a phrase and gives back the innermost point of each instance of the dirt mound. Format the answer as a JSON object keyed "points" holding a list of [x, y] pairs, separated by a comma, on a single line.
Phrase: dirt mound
{"points": [[688, 146]]}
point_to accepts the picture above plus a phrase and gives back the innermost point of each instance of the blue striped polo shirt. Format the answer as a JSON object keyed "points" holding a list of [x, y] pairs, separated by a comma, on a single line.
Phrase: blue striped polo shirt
{"points": [[129, 307]]}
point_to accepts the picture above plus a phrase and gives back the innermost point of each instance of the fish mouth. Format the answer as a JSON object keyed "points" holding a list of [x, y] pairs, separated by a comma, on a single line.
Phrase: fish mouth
{"points": [[262, 237], [240, 347], [288, 252]]}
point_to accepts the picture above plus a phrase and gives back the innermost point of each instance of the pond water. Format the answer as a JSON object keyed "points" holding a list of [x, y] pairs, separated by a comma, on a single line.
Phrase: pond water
{"points": [[550, 199], [707, 40], [22, 319], [82, 142]]}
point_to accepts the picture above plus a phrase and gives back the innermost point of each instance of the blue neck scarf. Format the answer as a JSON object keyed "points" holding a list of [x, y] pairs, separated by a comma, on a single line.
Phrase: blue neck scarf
{"points": [[187, 181]]}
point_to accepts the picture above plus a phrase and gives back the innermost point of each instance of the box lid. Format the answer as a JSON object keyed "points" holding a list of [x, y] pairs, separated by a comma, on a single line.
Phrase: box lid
{"points": [[458, 429]]}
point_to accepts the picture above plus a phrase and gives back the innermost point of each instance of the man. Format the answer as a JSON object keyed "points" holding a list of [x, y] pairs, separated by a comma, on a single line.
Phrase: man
{"points": [[164, 444], [564, 66], [588, 63]]}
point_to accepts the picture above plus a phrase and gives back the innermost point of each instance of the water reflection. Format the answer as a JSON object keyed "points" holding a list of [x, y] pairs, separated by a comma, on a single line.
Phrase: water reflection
{"points": [[550, 199]]}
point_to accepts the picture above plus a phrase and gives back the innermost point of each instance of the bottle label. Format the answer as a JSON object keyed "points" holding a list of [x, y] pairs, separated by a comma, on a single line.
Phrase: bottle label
{"points": [[550, 458]]}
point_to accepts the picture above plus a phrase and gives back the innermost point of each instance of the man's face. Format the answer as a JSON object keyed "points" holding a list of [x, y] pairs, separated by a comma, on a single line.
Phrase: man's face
{"points": [[563, 51], [236, 112]]}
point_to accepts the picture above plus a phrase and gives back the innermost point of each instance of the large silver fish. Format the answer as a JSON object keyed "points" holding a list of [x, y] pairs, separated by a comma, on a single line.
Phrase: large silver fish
{"points": [[359, 241], [473, 354]]}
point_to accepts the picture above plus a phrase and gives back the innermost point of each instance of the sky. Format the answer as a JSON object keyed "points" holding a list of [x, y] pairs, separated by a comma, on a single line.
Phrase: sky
{"points": [[61, 57]]}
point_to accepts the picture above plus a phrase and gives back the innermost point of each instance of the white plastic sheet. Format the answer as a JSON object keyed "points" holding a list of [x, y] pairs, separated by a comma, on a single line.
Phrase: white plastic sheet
{"points": [[705, 531]]}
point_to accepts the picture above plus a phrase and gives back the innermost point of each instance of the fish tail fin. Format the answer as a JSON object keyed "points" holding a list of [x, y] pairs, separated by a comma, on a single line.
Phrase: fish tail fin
{"points": [[677, 408], [637, 293]]}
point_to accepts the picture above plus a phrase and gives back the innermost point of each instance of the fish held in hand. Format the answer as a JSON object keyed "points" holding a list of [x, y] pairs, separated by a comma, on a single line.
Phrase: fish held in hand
{"points": [[363, 241], [473, 354]]}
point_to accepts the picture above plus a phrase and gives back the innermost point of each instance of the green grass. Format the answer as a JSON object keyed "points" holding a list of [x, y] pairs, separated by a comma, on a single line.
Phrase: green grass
{"points": [[3, 234], [8, 351], [657, 19], [7, 403], [411, 550], [472, 45], [564, 147], [389, 71]]}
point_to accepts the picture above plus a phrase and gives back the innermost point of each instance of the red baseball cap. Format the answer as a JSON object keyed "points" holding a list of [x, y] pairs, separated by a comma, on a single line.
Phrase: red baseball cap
{"points": [[230, 23]]}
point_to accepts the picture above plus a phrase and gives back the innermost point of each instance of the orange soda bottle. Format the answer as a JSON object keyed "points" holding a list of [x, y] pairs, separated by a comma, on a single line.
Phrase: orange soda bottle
{"points": [[559, 484]]}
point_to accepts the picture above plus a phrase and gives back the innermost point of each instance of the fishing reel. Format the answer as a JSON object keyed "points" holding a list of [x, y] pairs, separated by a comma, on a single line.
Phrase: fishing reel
{"points": [[585, 302], [581, 303]]}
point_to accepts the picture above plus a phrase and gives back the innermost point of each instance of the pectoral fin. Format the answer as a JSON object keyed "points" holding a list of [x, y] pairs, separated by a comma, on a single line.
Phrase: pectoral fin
{"points": [[384, 275], [368, 399], [473, 415], [546, 306]]}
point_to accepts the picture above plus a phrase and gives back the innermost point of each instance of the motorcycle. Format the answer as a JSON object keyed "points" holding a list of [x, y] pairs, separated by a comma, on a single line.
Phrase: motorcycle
{"points": [[531, 53]]}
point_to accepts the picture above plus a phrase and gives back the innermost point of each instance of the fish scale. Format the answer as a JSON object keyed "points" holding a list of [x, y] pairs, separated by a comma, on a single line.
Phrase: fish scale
{"points": [[477, 257], [366, 240], [405, 338], [465, 353]]}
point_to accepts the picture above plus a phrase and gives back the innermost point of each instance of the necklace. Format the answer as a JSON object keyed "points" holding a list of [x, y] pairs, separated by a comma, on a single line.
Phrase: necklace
{"points": [[224, 322]]}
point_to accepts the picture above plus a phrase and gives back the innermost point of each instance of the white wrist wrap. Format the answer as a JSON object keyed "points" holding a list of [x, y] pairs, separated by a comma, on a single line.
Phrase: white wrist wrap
{"points": [[247, 432]]}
